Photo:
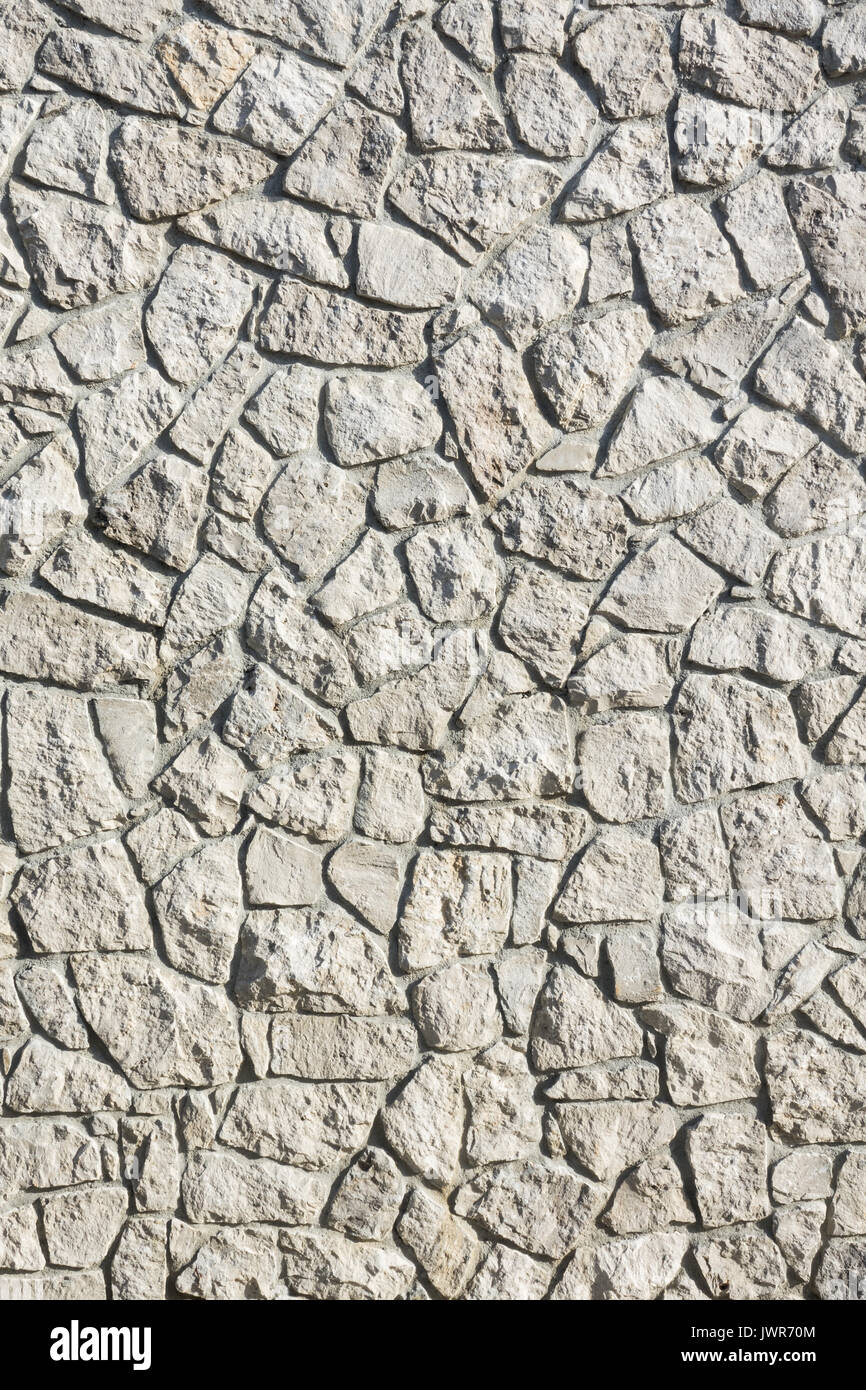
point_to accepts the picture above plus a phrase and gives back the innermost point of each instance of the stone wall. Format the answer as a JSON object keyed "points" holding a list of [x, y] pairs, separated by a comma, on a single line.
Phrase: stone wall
{"points": [[432, 643]]}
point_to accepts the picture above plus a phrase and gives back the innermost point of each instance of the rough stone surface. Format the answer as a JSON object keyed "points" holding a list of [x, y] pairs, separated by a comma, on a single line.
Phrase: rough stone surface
{"points": [[432, 640]]}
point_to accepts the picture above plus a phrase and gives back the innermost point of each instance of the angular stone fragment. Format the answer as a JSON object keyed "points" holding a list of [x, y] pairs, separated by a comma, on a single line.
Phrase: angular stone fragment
{"points": [[453, 567], [760, 447], [574, 1025], [728, 1157], [711, 952], [423, 1123], [281, 234], [745, 1265], [367, 1197], [469, 201], [269, 720], [624, 766], [522, 750], [329, 29], [843, 42], [397, 266], [631, 672], [710, 721], [83, 900], [370, 878], [61, 787], [117, 423], [458, 904], [206, 782], [172, 1031], [717, 354], [830, 216], [747, 65], [104, 341], [650, 1197], [664, 588], [279, 630], [80, 252], [566, 522], [38, 503], [375, 78], [542, 619], [285, 412], [617, 879], [505, 1274], [540, 1209], [664, 417], [80, 1227], [378, 417], [68, 150], [200, 303], [279, 872], [164, 172], [456, 1008], [198, 907], [234, 1263], [46, 640], [227, 1187], [309, 1126], [765, 644], [19, 1239], [548, 832], [325, 1265], [538, 278], [549, 111], [582, 372], [757, 221], [672, 489], [715, 142], [309, 513], [499, 427], [606, 1137], [332, 329], [624, 1269], [342, 1049], [630, 168], [823, 581], [48, 1079], [204, 60], [347, 161], [446, 1249], [313, 961], [812, 140], [110, 68], [821, 490], [275, 102], [47, 996], [210, 598], [447, 109], [804, 372], [629, 62], [687, 264], [390, 804], [312, 796]]}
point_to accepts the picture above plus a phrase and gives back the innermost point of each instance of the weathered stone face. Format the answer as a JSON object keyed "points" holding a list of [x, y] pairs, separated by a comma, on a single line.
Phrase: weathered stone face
{"points": [[432, 649]]}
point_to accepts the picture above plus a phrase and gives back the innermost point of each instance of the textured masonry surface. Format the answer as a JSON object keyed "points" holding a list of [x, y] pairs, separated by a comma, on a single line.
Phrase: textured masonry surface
{"points": [[433, 641]]}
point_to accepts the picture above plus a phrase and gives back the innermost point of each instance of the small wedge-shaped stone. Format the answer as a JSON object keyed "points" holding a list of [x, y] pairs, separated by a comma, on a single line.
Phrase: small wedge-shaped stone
{"points": [[330, 328], [269, 720], [806, 373], [167, 170], [423, 1123], [830, 216], [171, 1032], [80, 252], [664, 588], [765, 644], [447, 109], [608, 1136], [824, 581], [446, 1249], [38, 503], [205, 782], [204, 59], [757, 221], [469, 201], [630, 672], [664, 417], [397, 266]]}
